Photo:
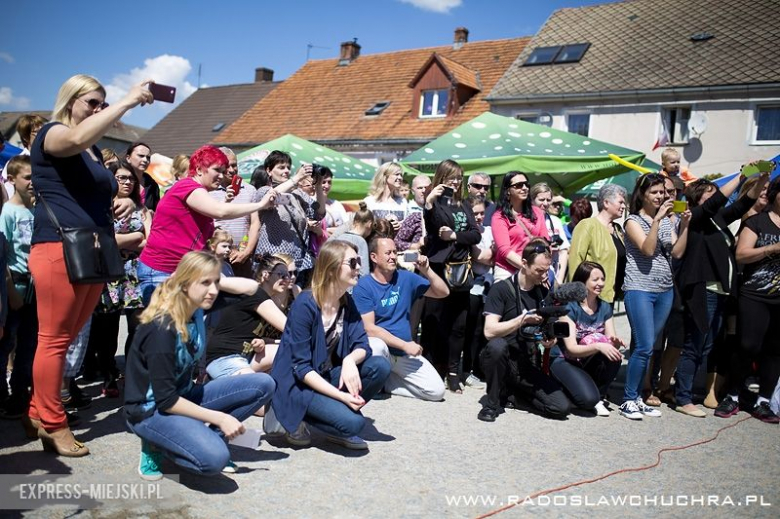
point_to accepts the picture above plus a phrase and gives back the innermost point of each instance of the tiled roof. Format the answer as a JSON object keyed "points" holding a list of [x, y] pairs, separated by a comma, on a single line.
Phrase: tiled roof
{"points": [[121, 132], [190, 125], [646, 44], [325, 102], [462, 75]]}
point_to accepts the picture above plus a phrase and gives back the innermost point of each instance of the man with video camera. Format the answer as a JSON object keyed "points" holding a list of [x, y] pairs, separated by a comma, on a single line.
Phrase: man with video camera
{"points": [[511, 360]]}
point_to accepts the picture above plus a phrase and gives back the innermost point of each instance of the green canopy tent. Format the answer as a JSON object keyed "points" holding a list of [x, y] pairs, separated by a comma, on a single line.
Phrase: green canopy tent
{"points": [[351, 176], [495, 145], [627, 180]]}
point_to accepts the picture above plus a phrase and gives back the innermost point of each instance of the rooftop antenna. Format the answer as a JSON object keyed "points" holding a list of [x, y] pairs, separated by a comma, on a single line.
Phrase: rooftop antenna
{"points": [[199, 65], [310, 46]]}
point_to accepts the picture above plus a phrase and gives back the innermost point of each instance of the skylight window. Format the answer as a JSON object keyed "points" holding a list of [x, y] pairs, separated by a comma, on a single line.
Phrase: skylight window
{"points": [[558, 54], [377, 108], [217, 127]]}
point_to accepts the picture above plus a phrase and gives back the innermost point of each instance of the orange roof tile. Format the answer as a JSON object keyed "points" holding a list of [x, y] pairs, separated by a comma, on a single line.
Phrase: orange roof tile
{"points": [[326, 102], [461, 74]]}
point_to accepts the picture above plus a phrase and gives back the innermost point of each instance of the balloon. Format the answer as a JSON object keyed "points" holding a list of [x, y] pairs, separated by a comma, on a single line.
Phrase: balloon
{"points": [[628, 164]]}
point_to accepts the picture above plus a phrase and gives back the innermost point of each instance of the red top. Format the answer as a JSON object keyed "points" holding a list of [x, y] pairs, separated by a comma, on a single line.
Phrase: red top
{"points": [[511, 237]]}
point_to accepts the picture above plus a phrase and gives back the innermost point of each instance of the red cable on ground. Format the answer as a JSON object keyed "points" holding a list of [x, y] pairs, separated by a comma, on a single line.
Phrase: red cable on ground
{"points": [[605, 476]]}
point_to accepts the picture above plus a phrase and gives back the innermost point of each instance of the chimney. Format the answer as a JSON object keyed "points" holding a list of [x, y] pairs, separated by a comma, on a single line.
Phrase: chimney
{"points": [[461, 37], [350, 50], [264, 75]]}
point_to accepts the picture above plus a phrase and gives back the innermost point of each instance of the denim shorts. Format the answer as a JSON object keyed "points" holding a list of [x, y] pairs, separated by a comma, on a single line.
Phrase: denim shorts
{"points": [[226, 366]]}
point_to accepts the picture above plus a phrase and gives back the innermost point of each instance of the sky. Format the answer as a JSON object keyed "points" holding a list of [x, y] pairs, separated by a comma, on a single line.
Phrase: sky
{"points": [[45, 42]]}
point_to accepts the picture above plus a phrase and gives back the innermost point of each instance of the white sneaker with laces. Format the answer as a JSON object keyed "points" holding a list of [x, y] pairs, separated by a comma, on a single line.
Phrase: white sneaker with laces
{"points": [[646, 410], [630, 410], [601, 409], [474, 381]]}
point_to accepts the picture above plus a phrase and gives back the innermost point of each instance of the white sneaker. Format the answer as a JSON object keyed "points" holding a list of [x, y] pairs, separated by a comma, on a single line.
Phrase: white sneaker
{"points": [[601, 409], [474, 381], [355, 443], [630, 410], [646, 410]]}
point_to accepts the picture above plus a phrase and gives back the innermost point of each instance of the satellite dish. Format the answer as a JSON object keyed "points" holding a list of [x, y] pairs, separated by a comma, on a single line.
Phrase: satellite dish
{"points": [[697, 124]]}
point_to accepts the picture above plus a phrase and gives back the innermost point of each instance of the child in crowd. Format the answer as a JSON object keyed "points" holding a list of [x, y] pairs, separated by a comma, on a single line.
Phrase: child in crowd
{"points": [[221, 244], [16, 221], [670, 164]]}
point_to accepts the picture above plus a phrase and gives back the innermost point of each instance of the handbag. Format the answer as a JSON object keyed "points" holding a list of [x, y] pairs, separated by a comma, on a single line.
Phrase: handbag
{"points": [[459, 275], [91, 253]]}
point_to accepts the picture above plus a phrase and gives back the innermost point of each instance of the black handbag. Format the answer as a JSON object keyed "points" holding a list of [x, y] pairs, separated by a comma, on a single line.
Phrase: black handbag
{"points": [[91, 253], [459, 275]]}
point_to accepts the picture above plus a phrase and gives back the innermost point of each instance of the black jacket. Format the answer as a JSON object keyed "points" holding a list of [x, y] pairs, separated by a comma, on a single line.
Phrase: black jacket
{"points": [[709, 255], [441, 215]]}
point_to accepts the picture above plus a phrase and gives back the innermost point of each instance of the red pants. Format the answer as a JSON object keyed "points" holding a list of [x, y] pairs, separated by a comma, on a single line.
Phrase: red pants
{"points": [[63, 309]]}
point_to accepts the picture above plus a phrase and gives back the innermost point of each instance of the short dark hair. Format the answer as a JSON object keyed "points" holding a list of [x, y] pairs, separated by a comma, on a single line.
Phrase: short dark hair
{"points": [[536, 247], [134, 146], [582, 274], [260, 177], [275, 158], [579, 210], [696, 190], [643, 183]]}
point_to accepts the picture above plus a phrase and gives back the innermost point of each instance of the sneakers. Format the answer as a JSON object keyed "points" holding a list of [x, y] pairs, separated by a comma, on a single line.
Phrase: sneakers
{"points": [[355, 443], [646, 409], [630, 410], [473, 381], [764, 413], [150, 464], [601, 409], [300, 438], [727, 408], [230, 468]]}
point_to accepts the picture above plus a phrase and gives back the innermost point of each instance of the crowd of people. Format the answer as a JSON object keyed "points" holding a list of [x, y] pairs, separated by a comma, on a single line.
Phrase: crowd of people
{"points": [[268, 298]]}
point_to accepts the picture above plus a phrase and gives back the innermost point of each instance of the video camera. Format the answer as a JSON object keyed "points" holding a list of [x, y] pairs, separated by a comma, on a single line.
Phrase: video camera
{"points": [[553, 307]]}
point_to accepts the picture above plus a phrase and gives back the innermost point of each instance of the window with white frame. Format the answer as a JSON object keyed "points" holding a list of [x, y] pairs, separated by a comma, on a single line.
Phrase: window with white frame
{"points": [[578, 123], [767, 123], [433, 103], [675, 120]]}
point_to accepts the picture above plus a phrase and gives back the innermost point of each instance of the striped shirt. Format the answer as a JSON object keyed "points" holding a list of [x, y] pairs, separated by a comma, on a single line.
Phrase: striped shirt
{"points": [[649, 273], [237, 227]]}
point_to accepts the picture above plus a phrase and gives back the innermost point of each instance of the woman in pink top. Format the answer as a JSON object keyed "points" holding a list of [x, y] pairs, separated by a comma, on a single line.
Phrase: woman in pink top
{"points": [[184, 220], [514, 223]]}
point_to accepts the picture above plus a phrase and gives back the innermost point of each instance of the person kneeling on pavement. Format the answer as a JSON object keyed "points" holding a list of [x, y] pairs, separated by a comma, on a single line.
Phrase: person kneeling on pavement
{"points": [[510, 360], [384, 299]]}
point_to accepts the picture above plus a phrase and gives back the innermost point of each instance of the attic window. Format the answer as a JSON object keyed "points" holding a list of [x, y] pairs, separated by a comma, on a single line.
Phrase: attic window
{"points": [[218, 127], [377, 108], [702, 36], [559, 54]]}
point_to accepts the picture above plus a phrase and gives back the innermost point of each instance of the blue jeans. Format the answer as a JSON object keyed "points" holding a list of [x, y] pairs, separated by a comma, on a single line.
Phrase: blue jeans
{"points": [[191, 444], [697, 347], [148, 279], [337, 418], [647, 314]]}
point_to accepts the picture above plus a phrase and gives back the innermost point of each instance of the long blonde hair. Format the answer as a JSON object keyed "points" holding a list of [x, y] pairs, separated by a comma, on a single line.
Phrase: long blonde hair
{"points": [[379, 183], [326, 268], [170, 298], [70, 90]]}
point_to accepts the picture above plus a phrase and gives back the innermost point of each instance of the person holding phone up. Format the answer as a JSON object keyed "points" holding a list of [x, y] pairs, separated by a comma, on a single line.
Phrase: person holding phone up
{"points": [[707, 275]]}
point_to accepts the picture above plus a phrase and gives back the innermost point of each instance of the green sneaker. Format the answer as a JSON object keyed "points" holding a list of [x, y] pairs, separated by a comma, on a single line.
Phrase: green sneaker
{"points": [[151, 462]]}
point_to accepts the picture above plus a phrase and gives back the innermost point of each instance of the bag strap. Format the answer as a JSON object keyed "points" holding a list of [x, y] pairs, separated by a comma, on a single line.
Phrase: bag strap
{"points": [[525, 227], [295, 226], [49, 211]]}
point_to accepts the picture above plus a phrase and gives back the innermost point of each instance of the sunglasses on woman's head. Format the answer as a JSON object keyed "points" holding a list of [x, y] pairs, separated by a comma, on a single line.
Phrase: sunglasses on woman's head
{"points": [[353, 262], [652, 176]]}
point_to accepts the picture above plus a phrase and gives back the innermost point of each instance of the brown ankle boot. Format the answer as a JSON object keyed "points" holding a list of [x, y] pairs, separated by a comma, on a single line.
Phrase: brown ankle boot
{"points": [[711, 402], [62, 442]]}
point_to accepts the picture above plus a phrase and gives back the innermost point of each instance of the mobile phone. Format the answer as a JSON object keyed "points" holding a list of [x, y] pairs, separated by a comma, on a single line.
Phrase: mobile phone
{"points": [[448, 192], [235, 184], [411, 257], [163, 93], [679, 206]]}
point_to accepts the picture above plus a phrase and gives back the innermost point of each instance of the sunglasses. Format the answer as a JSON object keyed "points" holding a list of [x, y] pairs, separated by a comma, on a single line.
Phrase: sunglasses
{"points": [[287, 275], [653, 177], [94, 104], [353, 262], [519, 185], [541, 249], [480, 186], [122, 179]]}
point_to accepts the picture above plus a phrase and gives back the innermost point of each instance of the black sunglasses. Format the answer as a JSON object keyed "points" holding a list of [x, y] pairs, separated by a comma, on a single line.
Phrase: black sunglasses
{"points": [[519, 185], [652, 176], [540, 248], [354, 262], [480, 186], [94, 104]]}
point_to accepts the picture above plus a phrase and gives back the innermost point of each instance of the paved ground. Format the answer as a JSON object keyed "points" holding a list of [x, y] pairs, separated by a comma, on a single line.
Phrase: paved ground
{"points": [[427, 459]]}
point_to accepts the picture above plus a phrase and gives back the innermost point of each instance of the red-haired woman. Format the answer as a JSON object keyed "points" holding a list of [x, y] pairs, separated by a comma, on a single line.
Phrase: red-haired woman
{"points": [[184, 220]]}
